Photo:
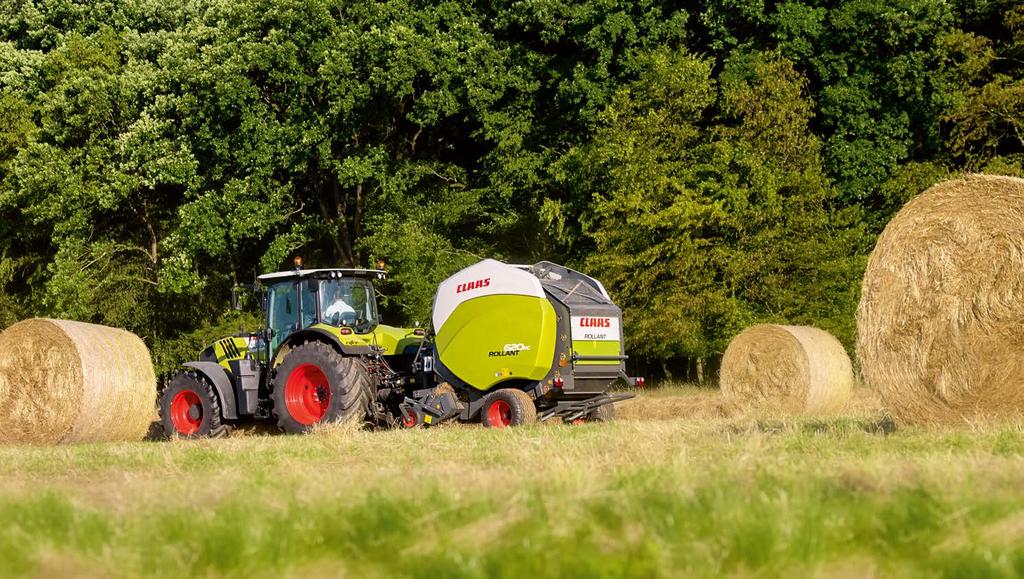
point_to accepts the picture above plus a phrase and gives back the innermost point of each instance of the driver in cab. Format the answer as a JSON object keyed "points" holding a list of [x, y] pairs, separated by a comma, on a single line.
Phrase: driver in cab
{"points": [[339, 311]]}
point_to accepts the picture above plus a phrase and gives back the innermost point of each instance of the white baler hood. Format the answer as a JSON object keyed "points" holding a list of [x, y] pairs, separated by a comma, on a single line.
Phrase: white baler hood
{"points": [[488, 277]]}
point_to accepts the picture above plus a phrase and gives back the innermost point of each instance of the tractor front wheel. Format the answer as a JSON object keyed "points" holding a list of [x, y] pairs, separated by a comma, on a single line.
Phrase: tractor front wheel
{"points": [[508, 407], [190, 409], [315, 384]]}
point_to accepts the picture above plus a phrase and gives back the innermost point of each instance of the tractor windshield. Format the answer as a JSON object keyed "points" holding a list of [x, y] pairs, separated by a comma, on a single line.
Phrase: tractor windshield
{"points": [[348, 302]]}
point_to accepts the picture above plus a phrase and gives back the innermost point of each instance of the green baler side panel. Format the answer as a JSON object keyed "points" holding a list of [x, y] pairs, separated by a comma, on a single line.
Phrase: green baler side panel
{"points": [[597, 348], [472, 343]]}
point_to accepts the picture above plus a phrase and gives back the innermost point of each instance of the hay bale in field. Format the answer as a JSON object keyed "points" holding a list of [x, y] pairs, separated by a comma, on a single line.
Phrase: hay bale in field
{"points": [[941, 318], [788, 369], [63, 382]]}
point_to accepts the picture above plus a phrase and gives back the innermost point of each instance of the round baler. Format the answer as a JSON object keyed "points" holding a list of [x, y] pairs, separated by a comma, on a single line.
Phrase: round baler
{"points": [[544, 330]]}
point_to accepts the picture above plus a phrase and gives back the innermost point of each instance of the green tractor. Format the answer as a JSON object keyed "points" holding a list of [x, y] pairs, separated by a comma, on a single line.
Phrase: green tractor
{"points": [[510, 345]]}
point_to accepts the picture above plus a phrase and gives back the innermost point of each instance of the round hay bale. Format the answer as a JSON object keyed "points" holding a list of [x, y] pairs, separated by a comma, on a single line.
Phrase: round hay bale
{"points": [[940, 326], [63, 382], [787, 369]]}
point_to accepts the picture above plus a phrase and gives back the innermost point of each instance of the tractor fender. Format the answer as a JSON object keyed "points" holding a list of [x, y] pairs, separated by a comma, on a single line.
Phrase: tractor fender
{"points": [[218, 376], [318, 335]]}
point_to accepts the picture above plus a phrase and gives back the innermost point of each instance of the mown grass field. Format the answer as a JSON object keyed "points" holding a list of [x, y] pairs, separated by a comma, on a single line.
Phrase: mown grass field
{"points": [[676, 487]]}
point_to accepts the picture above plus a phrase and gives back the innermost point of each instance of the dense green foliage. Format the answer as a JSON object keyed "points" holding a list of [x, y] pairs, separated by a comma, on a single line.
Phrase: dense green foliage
{"points": [[717, 163]]}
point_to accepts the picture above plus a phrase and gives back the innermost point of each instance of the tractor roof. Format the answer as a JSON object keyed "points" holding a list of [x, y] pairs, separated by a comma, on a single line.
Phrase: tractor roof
{"points": [[326, 273]]}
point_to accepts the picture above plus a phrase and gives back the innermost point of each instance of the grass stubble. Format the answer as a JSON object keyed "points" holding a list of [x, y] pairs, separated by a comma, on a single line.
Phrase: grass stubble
{"points": [[681, 485]]}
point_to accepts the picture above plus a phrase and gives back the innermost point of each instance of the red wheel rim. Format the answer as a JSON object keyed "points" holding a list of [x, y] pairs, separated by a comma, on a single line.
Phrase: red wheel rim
{"points": [[499, 414], [409, 420], [186, 412], [307, 394]]}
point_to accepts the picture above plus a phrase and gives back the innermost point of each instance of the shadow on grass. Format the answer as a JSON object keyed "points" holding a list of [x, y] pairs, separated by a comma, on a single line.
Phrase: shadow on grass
{"points": [[883, 426]]}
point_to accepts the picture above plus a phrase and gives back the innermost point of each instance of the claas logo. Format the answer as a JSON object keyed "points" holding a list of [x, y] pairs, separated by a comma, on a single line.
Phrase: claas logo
{"points": [[595, 323], [472, 285]]}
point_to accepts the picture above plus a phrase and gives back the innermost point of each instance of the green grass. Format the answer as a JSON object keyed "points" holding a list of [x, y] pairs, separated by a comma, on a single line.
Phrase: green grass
{"points": [[647, 498]]}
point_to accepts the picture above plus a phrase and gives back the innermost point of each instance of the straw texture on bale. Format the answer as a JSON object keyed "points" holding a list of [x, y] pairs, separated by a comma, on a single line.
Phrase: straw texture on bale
{"points": [[64, 382], [787, 369], [941, 318]]}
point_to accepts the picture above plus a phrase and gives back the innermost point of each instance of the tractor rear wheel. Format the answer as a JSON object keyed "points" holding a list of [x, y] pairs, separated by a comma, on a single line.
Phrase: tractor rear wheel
{"points": [[190, 409], [508, 407], [315, 384]]}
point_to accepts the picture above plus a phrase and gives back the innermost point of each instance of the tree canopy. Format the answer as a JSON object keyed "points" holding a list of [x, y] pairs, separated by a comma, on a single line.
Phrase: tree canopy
{"points": [[715, 163]]}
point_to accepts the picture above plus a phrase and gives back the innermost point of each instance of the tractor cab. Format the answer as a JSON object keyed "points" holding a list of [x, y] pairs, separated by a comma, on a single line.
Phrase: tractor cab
{"points": [[342, 300], [322, 333]]}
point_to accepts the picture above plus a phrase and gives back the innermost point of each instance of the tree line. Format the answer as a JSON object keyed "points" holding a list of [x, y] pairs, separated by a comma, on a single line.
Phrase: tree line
{"points": [[715, 163]]}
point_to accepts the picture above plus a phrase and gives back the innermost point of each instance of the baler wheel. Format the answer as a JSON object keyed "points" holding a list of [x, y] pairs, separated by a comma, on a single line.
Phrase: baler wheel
{"points": [[190, 409], [508, 407], [409, 419]]}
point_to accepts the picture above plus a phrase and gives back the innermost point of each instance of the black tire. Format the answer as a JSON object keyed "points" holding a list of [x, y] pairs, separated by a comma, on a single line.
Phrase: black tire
{"points": [[605, 413], [341, 385], [190, 409], [508, 407]]}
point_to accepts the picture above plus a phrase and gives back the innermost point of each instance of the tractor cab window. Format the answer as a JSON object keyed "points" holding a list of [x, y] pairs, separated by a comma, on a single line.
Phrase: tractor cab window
{"points": [[348, 302], [283, 312], [308, 305]]}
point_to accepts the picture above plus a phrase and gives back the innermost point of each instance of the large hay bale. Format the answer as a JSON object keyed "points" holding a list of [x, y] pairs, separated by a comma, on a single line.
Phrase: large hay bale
{"points": [[941, 318], [787, 369], [64, 382]]}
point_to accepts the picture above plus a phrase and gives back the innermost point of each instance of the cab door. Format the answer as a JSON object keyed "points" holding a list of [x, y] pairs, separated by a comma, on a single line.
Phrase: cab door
{"points": [[282, 314]]}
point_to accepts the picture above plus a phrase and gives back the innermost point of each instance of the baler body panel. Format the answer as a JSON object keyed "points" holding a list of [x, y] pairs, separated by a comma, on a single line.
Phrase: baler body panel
{"points": [[597, 335], [544, 324], [494, 338], [590, 329], [494, 323]]}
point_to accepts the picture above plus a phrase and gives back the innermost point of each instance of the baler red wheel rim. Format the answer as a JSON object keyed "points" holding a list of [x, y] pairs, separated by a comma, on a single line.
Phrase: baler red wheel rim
{"points": [[499, 414], [409, 419], [307, 394], [186, 412]]}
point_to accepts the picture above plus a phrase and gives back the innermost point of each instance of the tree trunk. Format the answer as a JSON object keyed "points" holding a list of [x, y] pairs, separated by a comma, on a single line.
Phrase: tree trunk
{"points": [[700, 370], [357, 226], [665, 370], [340, 207]]}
